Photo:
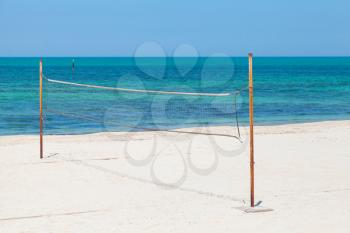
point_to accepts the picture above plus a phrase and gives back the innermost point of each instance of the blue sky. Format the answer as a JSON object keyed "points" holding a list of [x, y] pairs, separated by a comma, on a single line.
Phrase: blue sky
{"points": [[118, 27]]}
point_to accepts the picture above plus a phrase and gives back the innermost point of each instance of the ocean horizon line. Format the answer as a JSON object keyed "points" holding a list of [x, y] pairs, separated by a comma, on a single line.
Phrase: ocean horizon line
{"points": [[232, 56]]}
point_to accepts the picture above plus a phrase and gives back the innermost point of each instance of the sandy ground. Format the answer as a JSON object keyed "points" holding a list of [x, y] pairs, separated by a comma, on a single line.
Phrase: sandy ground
{"points": [[171, 182]]}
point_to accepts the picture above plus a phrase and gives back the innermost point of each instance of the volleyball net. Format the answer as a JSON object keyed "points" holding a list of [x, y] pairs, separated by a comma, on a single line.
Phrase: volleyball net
{"points": [[80, 106], [87, 106]]}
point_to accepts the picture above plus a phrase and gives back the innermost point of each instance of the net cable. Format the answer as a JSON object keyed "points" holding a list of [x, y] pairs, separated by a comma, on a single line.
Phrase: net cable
{"points": [[136, 90]]}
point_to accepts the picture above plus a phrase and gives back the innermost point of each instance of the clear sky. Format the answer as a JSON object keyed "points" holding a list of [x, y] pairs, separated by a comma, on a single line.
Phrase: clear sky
{"points": [[118, 27]]}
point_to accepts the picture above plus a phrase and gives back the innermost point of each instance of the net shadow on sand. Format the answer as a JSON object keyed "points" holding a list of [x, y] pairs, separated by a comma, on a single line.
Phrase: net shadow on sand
{"points": [[53, 215], [139, 179]]}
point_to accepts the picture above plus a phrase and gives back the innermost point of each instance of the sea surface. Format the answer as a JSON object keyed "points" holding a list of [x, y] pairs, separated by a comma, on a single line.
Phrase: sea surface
{"points": [[286, 90]]}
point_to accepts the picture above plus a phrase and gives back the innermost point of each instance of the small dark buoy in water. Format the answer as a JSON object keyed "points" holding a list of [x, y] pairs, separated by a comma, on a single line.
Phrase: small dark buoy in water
{"points": [[73, 65]]}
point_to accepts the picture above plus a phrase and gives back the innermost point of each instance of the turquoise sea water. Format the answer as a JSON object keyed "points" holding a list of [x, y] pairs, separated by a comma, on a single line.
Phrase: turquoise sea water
{"points": [[286, 90]]}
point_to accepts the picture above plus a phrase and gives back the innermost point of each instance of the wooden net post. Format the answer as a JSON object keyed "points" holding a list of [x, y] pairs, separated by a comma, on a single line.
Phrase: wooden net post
{"points": [[41, 107], [251, 134]]}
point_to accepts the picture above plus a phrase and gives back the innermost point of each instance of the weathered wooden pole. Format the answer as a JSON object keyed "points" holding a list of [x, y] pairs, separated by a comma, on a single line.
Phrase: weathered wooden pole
{"points": [[41, 108], [251, 134]]}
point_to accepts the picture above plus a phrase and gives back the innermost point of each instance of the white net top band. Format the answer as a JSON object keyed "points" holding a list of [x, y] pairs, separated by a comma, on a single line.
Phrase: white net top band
{"points": [[136, 90]]}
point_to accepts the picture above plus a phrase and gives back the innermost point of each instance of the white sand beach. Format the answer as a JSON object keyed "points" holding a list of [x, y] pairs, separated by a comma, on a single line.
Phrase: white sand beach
{"points": [[86, 183]]}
